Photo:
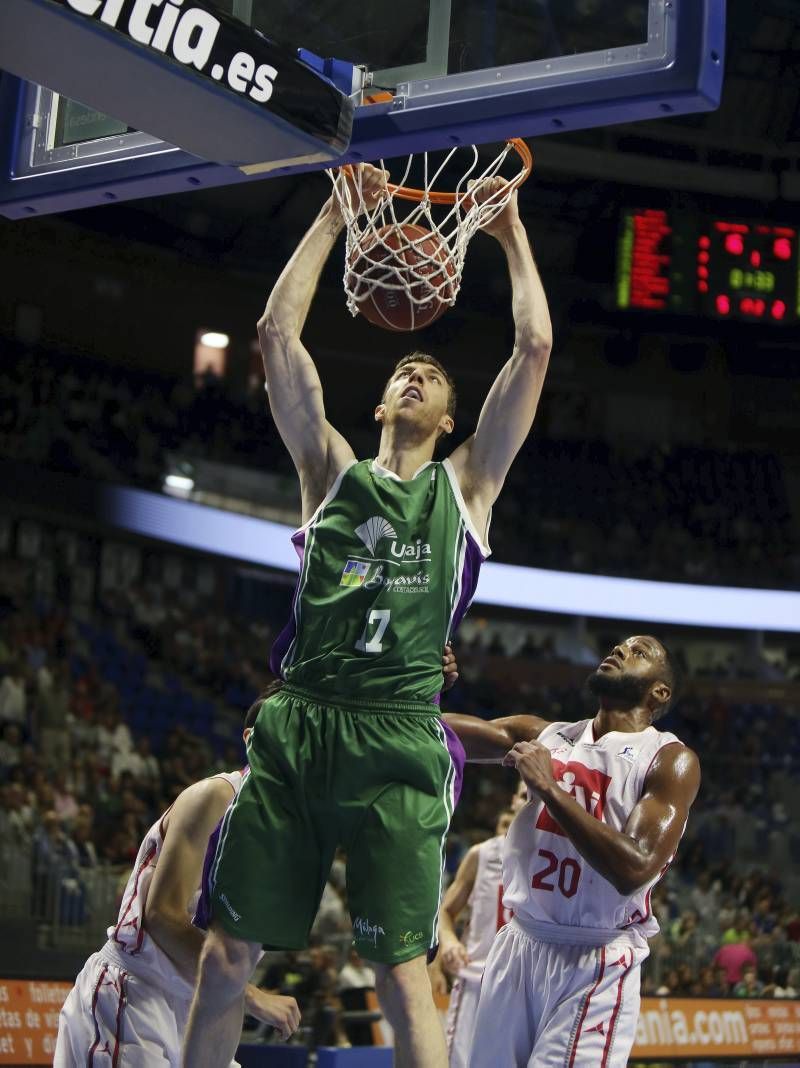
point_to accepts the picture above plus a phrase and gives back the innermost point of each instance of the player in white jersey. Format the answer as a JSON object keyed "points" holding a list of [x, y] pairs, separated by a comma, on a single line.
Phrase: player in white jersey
{"points": [[478, 885], [130, 1002], [609, 802]]}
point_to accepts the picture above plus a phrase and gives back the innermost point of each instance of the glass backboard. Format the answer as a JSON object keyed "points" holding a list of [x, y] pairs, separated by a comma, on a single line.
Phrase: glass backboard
{"points": [[422, 74]]}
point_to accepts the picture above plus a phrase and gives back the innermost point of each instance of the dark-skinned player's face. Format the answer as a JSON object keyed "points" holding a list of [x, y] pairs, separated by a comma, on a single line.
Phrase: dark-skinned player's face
{"points": [[417, 393], [632, 672]]}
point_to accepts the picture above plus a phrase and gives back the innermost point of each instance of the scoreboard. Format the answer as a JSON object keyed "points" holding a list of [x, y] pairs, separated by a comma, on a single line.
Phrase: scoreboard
{"points": [[713, 267]]}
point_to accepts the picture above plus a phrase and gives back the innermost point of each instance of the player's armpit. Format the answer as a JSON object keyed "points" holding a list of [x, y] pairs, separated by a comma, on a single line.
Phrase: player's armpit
{"points": [[488, 741]]}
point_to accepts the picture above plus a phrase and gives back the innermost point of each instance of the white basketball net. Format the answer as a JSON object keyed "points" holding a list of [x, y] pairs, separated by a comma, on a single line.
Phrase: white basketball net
{"points": [[434, 271]]}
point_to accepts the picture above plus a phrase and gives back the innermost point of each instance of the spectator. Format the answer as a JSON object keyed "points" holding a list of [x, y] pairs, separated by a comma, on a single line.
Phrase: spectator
{"points": [[113, 736], [749, 986], [787, 983], [82, 837], [720, 985], [13, 699], [64, 803], [704, 897], [17, 820], [52, 716], [10, 748], [734, 957], [356, 974], [57, 890]]}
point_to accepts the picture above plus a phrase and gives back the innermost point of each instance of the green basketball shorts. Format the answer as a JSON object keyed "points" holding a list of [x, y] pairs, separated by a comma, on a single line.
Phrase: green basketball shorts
{"points": [[379, 779]]}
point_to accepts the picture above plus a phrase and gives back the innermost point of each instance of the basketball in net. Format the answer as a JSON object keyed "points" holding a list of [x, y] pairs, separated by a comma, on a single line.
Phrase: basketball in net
{"points": [[406, 247], [403, 276]]}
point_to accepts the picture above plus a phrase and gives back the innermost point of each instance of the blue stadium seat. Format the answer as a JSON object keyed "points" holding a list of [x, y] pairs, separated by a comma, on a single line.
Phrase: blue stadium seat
{"points": [[272, 1056], [357, 1057]]}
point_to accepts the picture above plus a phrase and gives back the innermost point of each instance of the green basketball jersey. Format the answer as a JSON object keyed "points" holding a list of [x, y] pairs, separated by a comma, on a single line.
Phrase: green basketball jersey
{"points": [[388, 569]]}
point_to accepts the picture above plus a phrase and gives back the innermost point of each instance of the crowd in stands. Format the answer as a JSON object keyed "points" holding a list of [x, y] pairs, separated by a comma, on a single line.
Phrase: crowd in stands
{"points": [[83, 775], [687, 513], [116, 700]]}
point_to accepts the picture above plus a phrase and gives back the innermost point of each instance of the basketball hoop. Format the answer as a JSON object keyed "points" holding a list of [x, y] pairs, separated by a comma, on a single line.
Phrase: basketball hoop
{"points": [[403, 267]]}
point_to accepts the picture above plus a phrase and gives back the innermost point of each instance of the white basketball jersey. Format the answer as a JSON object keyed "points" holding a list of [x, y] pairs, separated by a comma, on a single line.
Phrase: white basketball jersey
{"points": [[128, 941], [546, 879], [487, 913]]}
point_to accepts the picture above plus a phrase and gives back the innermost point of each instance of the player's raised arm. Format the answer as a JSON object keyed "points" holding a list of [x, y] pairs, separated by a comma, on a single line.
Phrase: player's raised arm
{"points": [[628, 859], [482, 462], [293, 386], [486, 741]]}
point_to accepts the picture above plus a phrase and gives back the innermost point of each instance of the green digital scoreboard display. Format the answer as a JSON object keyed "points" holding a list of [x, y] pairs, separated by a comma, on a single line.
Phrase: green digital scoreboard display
{"points": [[76, 124], [705, 266]]}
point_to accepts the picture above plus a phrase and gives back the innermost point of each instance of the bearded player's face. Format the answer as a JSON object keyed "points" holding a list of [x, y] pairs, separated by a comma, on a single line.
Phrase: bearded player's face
{"points": [[629, 671]]}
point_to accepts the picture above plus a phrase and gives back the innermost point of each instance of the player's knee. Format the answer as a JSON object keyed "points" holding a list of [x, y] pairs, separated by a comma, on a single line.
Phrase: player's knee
{"points": [[403, 984], [225, 965]]}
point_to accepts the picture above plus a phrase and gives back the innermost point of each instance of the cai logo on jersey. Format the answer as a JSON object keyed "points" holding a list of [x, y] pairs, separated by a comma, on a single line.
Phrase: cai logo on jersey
{"points": [[587, 785]]}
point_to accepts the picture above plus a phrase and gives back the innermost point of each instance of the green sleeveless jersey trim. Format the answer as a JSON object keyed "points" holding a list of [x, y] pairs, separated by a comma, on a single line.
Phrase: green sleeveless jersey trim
{"points": [[388, 569]]}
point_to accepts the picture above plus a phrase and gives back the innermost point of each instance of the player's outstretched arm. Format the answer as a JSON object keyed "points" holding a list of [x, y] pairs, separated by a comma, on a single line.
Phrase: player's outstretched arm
{"points": [[486, 741], [293, 385], [452, 950], [630, 858], [482, 461]]}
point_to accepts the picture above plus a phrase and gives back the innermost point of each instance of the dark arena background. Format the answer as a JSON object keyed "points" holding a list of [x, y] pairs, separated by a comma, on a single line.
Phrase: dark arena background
{"points": [[147, 501]]}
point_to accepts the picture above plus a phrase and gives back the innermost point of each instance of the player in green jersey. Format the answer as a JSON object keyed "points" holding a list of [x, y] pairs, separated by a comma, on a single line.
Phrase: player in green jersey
{"points": [[352, 751]]}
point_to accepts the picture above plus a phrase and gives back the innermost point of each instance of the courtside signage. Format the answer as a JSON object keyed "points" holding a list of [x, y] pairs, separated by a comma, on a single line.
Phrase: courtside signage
{"points": [[705, 1028], [29, 1020], [181, 72]]}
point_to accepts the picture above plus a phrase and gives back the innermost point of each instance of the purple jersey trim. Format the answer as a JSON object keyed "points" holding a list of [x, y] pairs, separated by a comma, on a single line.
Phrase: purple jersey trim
{"points": [[473, 558], [202, 912], [459, 758], [281, 644]]}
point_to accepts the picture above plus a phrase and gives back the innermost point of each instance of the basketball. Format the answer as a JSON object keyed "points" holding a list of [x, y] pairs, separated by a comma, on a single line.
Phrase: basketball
{"points": [[403, 277]]}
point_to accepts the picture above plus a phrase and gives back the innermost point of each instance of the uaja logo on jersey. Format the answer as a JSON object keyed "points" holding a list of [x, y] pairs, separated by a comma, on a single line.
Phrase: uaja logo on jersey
{"points": [[587, 785], [375, 529]]}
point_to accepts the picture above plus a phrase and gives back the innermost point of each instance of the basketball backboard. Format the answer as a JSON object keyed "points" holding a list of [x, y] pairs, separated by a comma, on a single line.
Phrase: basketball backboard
{"points": [[422, 74]]}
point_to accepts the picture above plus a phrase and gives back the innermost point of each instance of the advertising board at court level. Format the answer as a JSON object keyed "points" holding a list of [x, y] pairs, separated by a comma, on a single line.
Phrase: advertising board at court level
{"points": [[671, 1029], [29, 1020]]}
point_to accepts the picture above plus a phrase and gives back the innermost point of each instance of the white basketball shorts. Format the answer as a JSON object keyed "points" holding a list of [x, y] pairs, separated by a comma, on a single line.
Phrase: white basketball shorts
{"points": [[550, 1005], [112, 1017]]}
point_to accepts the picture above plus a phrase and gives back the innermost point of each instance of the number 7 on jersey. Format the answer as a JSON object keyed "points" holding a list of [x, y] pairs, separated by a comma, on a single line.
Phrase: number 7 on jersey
{"points": [[374, 645]]}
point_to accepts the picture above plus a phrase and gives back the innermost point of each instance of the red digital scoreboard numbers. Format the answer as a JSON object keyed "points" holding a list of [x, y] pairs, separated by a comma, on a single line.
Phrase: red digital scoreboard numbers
{"points": [[723, 269]]}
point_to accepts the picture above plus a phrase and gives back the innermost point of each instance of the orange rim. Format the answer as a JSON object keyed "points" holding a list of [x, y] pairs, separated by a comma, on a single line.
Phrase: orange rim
{"points": [[403, 192]]}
